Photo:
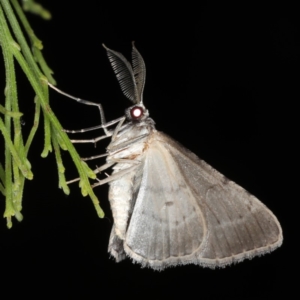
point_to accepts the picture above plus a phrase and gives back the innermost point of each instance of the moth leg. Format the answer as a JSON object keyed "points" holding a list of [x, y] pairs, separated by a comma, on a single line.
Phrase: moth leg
{"points": [[93, 157], [117, 129], [112, 177], [118, 174], [110, 133], [96, 171], [115, 176], [104, 167], [73, 180], [120, 122], [126, 161], [104, 126], [94, 141], [102, 116]]}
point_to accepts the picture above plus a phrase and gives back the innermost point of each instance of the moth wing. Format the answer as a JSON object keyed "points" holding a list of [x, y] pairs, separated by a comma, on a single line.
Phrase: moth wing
{"points": [[187, 212], [166, 225]]}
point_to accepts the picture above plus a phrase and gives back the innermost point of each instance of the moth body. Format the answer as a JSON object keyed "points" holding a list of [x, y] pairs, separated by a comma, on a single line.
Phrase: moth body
{"points": [[127, 152]]}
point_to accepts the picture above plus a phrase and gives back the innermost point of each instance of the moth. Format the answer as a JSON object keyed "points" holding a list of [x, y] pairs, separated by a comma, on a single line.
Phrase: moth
{"points": [[170, 207]]}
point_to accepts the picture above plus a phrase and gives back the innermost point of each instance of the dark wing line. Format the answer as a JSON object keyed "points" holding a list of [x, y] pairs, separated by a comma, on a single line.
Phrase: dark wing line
{"points": [[235, 229]]}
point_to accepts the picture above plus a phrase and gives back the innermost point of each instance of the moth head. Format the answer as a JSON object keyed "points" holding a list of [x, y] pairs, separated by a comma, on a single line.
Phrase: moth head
{"points": [[137, 113]]}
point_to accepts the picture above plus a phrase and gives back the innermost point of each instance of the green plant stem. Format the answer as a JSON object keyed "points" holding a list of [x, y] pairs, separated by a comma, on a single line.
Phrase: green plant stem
{"points": [[36, 42], [35, 125], [10, 113], [60, 167], [16, 152]]}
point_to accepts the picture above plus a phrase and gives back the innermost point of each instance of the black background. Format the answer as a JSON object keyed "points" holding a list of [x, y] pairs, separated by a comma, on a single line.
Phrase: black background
{"points": [[222, 79]]}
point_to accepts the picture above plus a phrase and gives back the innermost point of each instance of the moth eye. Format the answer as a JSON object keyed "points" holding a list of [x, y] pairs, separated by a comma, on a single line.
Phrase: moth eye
{"points": [[136, 112]]}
